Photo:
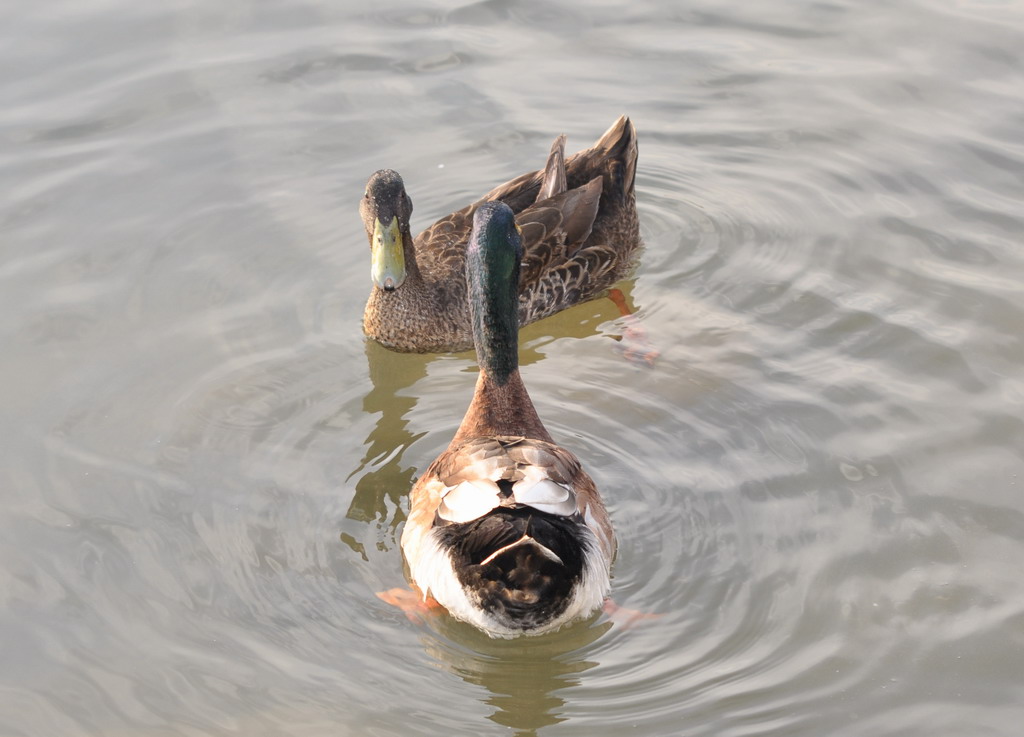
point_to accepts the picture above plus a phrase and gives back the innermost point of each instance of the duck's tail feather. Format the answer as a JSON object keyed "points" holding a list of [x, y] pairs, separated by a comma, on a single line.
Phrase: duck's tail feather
{"points": [[553, 180], [613, 158], [618, 149], [518, 562]]}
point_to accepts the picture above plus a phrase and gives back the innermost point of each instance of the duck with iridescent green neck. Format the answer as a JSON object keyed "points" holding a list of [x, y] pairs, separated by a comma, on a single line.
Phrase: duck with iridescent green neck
{"points": [[579, 231], [505, 530]]}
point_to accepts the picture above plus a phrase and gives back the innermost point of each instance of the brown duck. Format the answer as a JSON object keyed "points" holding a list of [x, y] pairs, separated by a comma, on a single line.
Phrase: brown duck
{"points": [[505, 529], [579, 232]]}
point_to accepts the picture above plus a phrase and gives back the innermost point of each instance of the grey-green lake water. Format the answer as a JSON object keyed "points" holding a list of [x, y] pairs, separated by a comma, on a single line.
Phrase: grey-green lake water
{"points": [[205, 465]]}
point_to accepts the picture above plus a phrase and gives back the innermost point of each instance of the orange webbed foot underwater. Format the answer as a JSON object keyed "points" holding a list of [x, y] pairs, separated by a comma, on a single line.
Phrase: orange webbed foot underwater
{"points": [[412, 602], [625, 616], [634, 344]]}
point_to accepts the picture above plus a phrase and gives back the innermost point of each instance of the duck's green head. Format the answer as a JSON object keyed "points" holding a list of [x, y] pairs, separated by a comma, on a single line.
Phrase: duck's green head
{"points": [[386, 210], [493, 255]]}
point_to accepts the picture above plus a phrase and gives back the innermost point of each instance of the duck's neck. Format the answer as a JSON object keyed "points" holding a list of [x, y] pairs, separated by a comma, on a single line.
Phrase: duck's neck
{"points": [[404, 318], [500, 409], [412, 268], [493, 307], [501, 404]]}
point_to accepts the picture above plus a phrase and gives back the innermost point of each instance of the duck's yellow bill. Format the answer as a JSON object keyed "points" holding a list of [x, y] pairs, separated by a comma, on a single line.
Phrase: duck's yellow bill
{"points": [[387, 257]]}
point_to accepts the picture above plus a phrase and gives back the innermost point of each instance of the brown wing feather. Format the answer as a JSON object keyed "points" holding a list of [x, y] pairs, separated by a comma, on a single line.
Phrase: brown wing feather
{"points": [[555, 230], [499, 457], [502, 457], [577, 279], [553, 182], [441, 247]]}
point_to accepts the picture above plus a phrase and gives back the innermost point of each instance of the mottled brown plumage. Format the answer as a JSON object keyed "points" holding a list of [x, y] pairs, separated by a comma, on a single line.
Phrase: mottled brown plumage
{"points": [[579, 230]]}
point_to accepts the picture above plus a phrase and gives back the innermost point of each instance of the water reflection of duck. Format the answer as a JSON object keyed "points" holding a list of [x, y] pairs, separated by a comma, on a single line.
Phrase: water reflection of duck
{"points": [[579, 230], [528, 683], [505, 529]]}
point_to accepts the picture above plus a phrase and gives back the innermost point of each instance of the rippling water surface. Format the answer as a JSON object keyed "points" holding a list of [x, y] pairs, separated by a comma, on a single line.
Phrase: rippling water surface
{"points": [[817, 486]]}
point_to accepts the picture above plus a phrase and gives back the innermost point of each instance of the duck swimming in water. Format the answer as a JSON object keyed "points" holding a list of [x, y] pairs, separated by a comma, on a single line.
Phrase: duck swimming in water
{"points": [[505, 529], [579, 229]]}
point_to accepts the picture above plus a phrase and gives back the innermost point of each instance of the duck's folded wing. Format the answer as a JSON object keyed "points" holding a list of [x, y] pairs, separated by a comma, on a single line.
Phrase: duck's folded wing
{"points": [[554, 230], [486, 473]]}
